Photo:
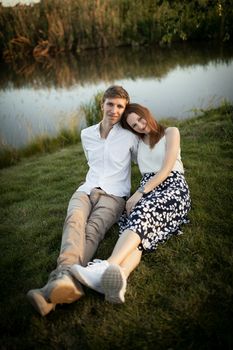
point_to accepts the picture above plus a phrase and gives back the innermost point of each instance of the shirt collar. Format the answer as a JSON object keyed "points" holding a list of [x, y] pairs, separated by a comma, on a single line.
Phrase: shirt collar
{"points": [[115, 128]]}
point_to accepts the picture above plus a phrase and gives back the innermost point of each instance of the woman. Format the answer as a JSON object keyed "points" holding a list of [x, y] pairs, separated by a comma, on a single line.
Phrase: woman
{"points": [[154, 212]]}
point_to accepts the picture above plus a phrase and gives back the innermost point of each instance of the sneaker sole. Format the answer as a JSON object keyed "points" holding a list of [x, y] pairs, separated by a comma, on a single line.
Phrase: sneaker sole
{"points": [[64, 293], [39, 303], [112, 283]]}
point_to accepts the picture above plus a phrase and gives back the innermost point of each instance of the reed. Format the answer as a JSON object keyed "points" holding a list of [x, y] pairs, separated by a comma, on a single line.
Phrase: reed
{"points": [[53, 26], [92, 110]]}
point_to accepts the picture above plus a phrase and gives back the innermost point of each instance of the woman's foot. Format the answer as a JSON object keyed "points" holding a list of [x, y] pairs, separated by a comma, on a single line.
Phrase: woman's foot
{"points": [[90, 275]]}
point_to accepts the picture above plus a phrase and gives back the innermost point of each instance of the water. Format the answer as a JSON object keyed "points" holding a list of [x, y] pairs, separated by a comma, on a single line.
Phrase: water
{"points": [[39, 98], [12, 3]]}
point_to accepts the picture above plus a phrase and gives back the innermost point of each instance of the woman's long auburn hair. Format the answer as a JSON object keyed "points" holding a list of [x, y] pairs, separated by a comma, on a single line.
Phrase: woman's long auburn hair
{"points": [[157, 130]]}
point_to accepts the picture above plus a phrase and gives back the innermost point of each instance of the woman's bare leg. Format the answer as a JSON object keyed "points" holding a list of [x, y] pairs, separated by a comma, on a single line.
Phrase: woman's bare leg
{"points": [[126, 244], [126, 255], [131, 262]]}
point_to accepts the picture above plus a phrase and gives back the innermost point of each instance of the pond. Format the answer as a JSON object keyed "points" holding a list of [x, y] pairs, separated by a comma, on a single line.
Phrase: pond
{"points": [[38, 98]]}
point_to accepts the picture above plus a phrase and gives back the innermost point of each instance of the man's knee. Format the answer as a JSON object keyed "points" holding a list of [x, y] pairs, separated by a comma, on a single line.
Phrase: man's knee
{"points": [[79, 201]]}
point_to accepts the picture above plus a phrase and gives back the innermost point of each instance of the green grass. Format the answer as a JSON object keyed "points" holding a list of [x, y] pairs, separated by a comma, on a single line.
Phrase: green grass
{"points": [[178, 298]]}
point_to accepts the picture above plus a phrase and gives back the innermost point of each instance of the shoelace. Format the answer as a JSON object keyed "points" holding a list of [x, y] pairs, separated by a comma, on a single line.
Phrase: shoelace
{"points": [[94, 263]]}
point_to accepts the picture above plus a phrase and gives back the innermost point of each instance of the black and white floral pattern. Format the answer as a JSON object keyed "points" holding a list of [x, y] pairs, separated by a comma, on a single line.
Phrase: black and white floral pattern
{"points": [[159, 214]]}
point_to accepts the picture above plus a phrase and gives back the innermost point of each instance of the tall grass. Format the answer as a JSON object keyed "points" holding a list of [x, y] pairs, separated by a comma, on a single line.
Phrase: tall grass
{"points": [[92, 110], [53, 26], [178, 298]]}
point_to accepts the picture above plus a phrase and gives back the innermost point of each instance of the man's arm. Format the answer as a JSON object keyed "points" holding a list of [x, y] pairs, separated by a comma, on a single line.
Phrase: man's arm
{"points": [[83, 144]]}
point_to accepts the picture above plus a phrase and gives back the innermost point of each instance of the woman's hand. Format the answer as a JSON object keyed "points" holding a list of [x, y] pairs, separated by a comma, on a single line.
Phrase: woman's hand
{"points": [[132, 201]]}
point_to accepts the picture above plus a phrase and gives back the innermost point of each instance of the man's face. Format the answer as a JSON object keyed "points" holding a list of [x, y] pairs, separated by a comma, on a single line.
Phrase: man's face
{"points": [[113, 109]]}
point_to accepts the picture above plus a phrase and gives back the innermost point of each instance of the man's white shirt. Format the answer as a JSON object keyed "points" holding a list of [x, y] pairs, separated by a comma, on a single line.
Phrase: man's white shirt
{"points": [[109, 159]]}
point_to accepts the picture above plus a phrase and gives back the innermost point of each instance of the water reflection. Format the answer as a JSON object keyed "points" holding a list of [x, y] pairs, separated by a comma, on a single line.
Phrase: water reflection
{"points": [[93, 66], [41, 97]]}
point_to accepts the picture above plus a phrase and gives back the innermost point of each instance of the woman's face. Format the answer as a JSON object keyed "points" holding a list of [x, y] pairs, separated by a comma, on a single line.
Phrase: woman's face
{"points": [[137, 123]]}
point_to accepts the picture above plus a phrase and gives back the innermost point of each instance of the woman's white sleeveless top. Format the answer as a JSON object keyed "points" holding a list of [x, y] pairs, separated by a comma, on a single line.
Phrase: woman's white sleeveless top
{"points": [[151, 159]]}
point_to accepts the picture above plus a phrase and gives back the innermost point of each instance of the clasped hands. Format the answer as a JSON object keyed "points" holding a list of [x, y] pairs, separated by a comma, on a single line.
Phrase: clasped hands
{"points": [[132, 201]]}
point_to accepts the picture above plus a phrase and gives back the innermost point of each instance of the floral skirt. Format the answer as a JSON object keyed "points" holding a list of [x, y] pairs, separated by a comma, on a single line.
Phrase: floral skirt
{"points": [[159, 214]]}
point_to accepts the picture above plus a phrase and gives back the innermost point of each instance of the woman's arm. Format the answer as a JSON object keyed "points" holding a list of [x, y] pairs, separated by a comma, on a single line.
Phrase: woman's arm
{"points": [[172, 148], [172, 135]]}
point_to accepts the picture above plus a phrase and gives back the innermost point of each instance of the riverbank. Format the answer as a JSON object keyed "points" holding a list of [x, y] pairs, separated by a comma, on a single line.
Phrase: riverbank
{"points": [[54, 26], [43, 144], [179, 297]]}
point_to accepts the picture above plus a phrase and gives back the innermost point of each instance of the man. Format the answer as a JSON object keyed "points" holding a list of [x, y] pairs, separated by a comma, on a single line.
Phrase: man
{"points": [[96, 205]]}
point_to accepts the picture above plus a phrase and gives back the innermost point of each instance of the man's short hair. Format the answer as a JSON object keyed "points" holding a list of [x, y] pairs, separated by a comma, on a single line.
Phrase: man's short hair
{"points": [[116, 91]]}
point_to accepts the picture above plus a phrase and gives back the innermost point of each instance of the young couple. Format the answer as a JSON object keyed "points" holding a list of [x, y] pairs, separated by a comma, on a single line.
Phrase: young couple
{"points": [[152, 214]]}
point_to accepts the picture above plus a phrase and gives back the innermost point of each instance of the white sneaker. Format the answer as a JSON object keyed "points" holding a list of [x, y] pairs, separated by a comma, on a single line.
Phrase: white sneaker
{"points": [[90, 275], [114, 284]]}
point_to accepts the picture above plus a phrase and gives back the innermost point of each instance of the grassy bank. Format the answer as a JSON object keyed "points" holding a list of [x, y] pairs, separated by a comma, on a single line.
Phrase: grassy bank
{"points": [[42, 144], [178, 298], [52, 26]]}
